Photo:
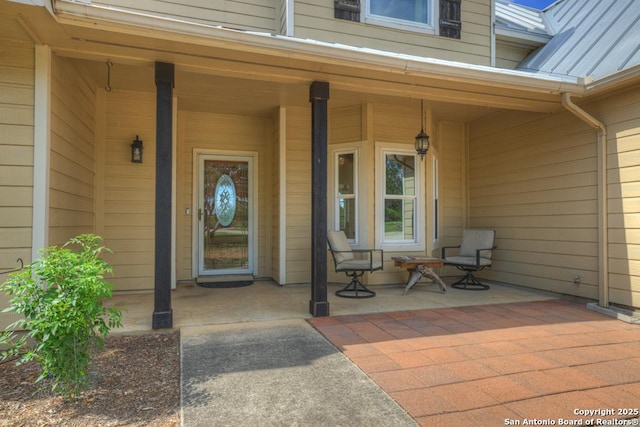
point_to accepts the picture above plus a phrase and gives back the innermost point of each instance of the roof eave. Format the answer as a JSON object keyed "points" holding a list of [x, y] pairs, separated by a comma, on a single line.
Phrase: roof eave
{"points": [[613, 81], [124, 21]]}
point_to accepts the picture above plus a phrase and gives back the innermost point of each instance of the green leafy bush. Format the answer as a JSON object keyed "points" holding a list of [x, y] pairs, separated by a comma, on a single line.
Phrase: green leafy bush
{"points": [[61, 298]]}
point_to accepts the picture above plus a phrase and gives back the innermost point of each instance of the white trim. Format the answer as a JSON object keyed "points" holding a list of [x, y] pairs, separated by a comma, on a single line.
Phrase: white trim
{"points": [[493, 34], [282, 256], [41, 150], [289, 4], [174, 185], [252, 157], [419, 243]]}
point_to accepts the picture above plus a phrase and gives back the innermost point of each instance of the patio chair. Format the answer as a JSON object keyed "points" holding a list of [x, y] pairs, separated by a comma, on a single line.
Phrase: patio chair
{"points": [[475, 254], [354, 263]]}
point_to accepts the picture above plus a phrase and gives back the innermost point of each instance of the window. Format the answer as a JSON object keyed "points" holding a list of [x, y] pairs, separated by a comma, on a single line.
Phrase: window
{"points": [[346, 190], [400, 202], [404, 14]]}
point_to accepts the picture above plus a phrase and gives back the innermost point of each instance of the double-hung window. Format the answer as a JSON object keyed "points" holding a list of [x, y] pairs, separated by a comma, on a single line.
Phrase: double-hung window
{"points": [[404, 14], [400, 202]]}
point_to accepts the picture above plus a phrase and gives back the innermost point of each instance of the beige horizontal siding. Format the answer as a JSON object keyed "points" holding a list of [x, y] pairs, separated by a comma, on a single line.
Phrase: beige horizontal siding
{"points": [[509, 55], [532, 178], [16, 150], [315, 20], [128, 193], [298, 207], [346, 124], [620, 114], [254, 15], [71, 198]]}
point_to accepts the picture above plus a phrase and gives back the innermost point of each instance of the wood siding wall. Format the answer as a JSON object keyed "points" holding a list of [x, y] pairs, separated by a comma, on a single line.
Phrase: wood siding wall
{"points": [[128, 190], [208, 131], [509, 55], [250, 15], [620, 114], [298, 178], [17, 72], [451, 142], [71, 198], [533, 179], [315, 20]]}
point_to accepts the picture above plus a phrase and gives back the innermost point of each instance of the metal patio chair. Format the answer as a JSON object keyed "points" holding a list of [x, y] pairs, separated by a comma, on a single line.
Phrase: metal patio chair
{"points": [[354, 263], [476, 250]]}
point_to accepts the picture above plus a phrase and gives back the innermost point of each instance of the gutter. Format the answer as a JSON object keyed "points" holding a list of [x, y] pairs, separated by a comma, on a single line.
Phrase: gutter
{"points": [[603, 219]]}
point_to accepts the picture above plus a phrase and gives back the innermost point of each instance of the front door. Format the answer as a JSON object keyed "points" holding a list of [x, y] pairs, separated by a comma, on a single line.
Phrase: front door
{"points": [[225, 215]]}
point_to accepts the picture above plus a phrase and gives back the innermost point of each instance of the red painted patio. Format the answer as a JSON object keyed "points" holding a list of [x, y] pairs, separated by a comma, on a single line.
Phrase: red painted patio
{"points": [[497, 364]]}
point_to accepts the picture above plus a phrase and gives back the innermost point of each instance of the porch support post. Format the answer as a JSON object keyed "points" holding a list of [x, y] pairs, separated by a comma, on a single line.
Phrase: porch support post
{"points": [[163, 313], [318, 96]]}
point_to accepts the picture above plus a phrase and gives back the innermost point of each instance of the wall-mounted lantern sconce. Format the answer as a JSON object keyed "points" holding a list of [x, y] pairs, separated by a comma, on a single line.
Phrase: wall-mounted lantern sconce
{"points": [[422, 139], [136, 151]]}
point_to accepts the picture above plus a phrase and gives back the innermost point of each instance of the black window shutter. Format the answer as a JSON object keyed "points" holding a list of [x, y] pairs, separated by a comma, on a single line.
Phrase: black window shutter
{"points": [[450, 24], [347, 9]]}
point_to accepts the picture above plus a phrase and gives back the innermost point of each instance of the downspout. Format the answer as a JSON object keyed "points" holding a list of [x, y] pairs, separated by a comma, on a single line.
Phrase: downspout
{"points": [[603, 221]]}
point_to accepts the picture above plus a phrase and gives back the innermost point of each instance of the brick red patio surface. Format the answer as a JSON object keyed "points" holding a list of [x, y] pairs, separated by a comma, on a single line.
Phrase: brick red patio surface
{"points": [[523, 363]]}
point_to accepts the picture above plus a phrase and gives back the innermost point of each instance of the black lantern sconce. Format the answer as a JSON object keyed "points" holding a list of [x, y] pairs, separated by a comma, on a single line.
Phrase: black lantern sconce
{"points": [[422, 139], [136, 151]]}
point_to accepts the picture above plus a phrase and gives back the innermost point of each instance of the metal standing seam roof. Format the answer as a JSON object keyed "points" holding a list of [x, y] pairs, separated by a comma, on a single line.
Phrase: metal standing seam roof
{"points": [[592, 38]]}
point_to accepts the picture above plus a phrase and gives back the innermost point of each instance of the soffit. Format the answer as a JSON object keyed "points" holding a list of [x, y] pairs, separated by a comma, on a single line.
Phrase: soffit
{"points": [[224, 68], [235, 61]]}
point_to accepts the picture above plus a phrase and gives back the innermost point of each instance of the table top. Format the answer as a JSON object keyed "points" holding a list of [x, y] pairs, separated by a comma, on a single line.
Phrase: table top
{"points": [[412, 261]]}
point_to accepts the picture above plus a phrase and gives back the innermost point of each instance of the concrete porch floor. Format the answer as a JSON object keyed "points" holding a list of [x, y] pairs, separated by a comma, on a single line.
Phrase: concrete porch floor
{"points": [[265, 300]]}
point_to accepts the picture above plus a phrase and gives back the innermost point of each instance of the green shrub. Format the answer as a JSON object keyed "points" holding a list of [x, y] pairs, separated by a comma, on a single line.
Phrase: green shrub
{"points": [[61, 298]]}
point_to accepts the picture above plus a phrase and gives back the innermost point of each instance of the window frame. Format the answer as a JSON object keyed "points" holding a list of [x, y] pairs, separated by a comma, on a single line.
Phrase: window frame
{"points": [[435, 198], [402, 24], [336, 151], [419, 241]]}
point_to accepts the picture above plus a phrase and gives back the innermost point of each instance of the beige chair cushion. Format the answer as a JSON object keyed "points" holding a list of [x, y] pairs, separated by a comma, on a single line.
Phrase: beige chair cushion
{"points": [[338, 242], [476, 239]]}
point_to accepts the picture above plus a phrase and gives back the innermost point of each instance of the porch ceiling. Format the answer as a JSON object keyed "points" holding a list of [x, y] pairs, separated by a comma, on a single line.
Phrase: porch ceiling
{"points": [[238, 77], [222, 94]]}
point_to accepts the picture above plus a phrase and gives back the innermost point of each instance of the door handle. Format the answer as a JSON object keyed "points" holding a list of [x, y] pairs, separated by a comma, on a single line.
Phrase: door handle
{"points": [[199, 214]]}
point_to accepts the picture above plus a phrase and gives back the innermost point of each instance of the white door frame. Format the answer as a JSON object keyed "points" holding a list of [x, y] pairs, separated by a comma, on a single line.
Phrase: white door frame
{"points": [[252, 158]]}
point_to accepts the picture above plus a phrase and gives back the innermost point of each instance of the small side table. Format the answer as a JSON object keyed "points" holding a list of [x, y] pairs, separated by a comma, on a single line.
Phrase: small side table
{"points": [[420, 267]]}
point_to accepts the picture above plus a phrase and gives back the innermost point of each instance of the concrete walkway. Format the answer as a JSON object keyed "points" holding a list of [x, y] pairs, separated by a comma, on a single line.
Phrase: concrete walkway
{"points": [[276, 373]]}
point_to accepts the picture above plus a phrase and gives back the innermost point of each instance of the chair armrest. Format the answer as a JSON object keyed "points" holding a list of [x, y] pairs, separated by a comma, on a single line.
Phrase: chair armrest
{"points": [[372, 253], [447, 247], [478, 254]]}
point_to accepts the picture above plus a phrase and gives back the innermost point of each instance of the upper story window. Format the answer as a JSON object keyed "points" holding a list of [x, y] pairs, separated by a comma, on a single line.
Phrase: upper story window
{"points": [[442, 17], [404, 14]]}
